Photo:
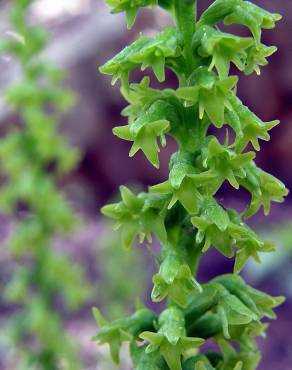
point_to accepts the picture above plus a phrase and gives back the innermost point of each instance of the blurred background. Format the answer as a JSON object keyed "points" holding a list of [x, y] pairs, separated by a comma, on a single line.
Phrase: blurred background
{"points": [[83, 35]]}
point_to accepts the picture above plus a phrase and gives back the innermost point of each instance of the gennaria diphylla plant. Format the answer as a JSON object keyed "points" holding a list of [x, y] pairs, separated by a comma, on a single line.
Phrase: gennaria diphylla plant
{"points": [[183, 212], [32, 157]]}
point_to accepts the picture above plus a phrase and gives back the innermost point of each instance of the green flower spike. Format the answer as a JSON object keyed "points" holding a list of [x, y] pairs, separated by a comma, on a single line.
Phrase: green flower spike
{"points": [[122, 330], [251, 128], [171, 340], [174, 280], [224, 49], [182, 211], [184, 182], [145, 52], [145, 130], [225, 163], [131, 7], [210, 93], [137, 215]]}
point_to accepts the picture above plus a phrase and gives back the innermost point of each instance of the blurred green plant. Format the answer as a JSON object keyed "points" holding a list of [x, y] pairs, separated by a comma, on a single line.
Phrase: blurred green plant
{"points": [[33, 158], [182, 212], [115, 293]]}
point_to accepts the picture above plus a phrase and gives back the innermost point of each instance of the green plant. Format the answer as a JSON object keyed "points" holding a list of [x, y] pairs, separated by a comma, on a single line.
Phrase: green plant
{"points": [[33, 156], [182, 211]]}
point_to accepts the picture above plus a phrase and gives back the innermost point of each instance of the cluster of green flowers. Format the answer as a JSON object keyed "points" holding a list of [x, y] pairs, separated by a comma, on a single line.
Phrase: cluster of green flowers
{"points": [[182, 212], [33, 156]]}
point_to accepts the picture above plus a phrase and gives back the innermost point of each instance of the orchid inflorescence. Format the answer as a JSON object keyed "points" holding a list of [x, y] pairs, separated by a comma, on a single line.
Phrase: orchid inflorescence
{"points": [[183, 212]]}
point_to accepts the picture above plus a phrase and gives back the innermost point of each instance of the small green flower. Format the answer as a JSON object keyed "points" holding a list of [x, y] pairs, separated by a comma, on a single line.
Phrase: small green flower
{"points": [[264, 188], [131, 7], [240, 12], [144, 131], [223, 48], [253, 17], [145, 52], [184, 182], [224, 162], [212, 225], [138, 215], [122, 330], [248, 127], [257, 56], [171, 339], [233, 312], [174, 280], [225, 229], [259, 302], [210, 93]]}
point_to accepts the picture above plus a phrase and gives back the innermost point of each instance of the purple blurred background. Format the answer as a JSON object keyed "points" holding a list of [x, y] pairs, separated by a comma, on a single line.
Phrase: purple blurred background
{"points": [[83, 36]]}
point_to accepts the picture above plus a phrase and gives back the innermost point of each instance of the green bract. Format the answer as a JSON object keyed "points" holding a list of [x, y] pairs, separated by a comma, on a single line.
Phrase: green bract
{"points": [[182, 211]]}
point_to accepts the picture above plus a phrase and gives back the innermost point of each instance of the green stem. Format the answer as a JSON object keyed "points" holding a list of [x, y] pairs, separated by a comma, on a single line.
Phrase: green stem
{"points": [[185, 16]]}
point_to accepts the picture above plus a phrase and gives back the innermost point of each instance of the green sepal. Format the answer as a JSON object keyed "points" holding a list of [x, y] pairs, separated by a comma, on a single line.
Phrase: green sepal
{"points": [[122, 330], [174, 280], [209, 92], [171, 340], [138, 215]]}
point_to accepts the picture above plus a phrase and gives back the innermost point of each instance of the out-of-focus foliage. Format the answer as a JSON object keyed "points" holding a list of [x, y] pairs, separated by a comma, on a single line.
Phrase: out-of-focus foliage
{"points": [[115, 293], [182, 212], [33, 157]]}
